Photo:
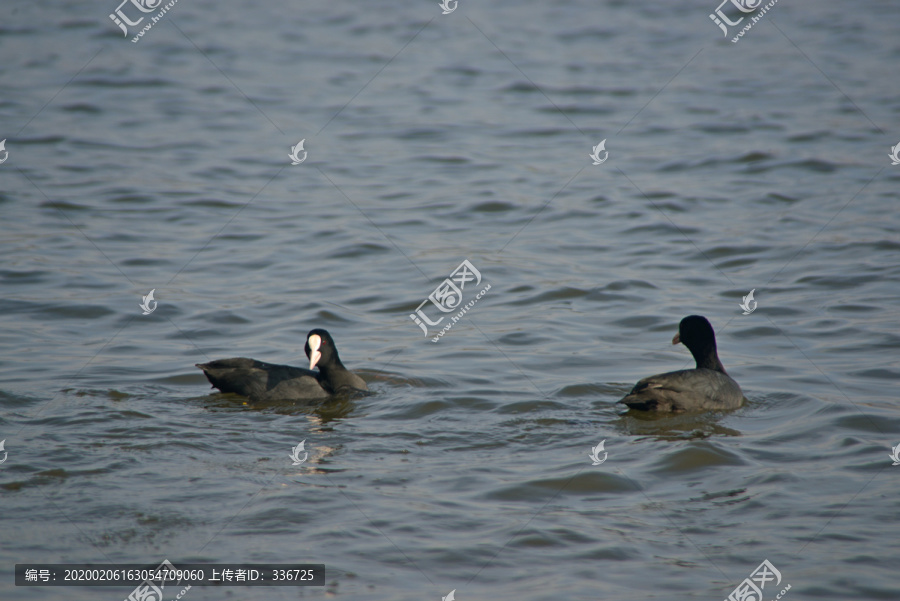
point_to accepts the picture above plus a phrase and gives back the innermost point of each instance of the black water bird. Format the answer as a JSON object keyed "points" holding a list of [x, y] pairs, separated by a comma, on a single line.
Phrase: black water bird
{"points": [[261, 381], [708, 387]]}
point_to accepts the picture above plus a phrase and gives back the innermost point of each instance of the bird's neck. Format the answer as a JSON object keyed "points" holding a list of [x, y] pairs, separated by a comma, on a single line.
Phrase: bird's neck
{"points": [[332, 369], [336, 377], [708, 358]]}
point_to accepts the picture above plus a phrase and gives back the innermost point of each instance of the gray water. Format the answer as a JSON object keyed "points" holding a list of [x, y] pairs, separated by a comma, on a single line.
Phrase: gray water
{"points": [[431, 139]]}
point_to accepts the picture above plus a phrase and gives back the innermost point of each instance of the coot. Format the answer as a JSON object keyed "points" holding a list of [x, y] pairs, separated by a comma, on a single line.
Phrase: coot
{"points": [[707, 387], [268, 382]]}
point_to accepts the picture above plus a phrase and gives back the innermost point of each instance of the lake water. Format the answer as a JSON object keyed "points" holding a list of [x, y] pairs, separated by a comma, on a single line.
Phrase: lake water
{"points": [[432, 139]]}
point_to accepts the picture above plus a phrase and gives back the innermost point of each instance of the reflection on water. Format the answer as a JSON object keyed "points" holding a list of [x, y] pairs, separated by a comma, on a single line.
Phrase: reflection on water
{"points": [[675, 427]]}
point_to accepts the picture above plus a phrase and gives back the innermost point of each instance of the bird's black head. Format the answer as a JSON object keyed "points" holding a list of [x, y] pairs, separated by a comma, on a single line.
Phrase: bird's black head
{"points": [[320, 349], [696, 333]]}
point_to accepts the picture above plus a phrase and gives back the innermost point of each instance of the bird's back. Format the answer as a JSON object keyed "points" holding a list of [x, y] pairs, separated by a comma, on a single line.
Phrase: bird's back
{"points": [[262, 381], [685, 390]]}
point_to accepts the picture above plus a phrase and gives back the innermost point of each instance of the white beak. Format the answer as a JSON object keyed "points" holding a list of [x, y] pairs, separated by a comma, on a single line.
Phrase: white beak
{"points": [[314, 343]]}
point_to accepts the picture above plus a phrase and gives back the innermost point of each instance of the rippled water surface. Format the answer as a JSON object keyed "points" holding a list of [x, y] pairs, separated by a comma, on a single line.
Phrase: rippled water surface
{"points": [[431, 139]]}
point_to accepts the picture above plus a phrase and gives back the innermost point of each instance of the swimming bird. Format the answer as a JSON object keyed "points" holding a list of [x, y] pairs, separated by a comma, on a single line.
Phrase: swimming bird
{"points": [[708, 387], [268, 382]]}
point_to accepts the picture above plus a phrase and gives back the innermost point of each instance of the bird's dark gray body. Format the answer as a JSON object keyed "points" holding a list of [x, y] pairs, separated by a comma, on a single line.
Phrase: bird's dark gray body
{"points": [[685, 390]]}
